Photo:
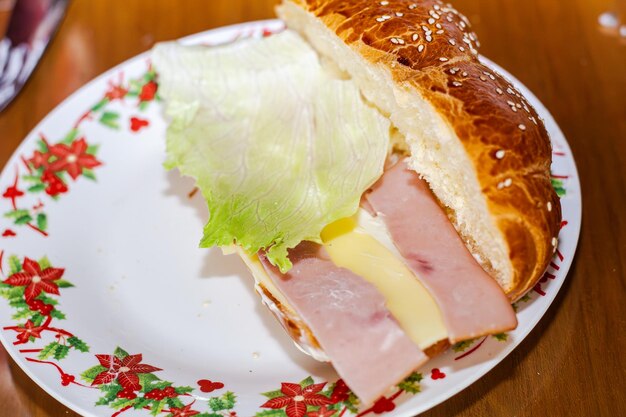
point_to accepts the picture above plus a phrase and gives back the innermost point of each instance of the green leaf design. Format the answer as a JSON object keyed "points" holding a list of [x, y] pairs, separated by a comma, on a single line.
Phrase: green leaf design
{"points": [[223, 402], [69, 138], [100, 105], [23, 314], [16, 213], [46, 299], [174, 402], [63, 283], [271, 413], [18, 303], [61, 352], [143, 105], [78, 344], [184, 390], [41, 146], [158, 407], [44, 263], [89, 174], [122, 403], [120, 353], [23, 220], [37, 188], [306, 382], [57, 314], [110, 119], [15, 265], [49, 350], [38, 319], [90, 374], [559, 188], [110, 393], [93, 149], [42, 221], [142, 402], [411, 384], [273, 394]]}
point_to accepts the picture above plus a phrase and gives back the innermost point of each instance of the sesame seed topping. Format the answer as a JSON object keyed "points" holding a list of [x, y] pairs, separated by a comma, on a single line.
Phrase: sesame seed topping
{"points": [[420, 48], [431, 21], [500, 154], [510, 103], [456, 84], [499, 91], [436, 7], [415, 37], [461, 49], [439, 32], [384, 3], [442, 59], [464, 74], [394, 41], [514, 109], [508, 90], [380, 19], [438, 26], [428, 38], [508, 182], [399, 14], [401, 41], [555, 241], [549, 205], [452, 42], [386, 17], [412, 6], [521, 126], [425, 28], [482, 78]]}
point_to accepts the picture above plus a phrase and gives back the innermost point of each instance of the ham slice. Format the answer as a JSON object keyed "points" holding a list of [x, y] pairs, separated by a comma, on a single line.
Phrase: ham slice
{"points": [[472, 303], [349, 319]]}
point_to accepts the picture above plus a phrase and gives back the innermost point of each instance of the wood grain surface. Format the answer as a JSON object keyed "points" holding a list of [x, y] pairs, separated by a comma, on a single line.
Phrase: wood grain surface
{"points": [[574, 361]]}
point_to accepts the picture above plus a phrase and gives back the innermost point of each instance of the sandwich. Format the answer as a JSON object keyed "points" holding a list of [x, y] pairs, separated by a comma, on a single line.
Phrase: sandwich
{"points": [[390, 194]]}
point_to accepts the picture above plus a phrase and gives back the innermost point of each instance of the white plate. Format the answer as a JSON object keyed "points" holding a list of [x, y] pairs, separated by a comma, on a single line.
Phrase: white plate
{"points": [[128, 241]]}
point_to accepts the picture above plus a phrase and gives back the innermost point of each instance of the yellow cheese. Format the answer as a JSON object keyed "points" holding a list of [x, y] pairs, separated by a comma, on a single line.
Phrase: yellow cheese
{"points": [[406, 298]]}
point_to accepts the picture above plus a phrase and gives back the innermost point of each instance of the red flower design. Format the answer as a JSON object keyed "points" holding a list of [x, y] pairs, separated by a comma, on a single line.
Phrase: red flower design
{"points": [[35, 279], [136, 124], [116, 92], [185, 411], [73, 158], [39, 159], [29, 330], [297, 398], [12, 192], [8, 233], [55, 186], [124, 370], [148, 91], [322, 412]]}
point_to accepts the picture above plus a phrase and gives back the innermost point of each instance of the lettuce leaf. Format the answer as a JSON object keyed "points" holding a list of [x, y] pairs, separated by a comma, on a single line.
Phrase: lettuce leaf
{"points": [[278, 146]]}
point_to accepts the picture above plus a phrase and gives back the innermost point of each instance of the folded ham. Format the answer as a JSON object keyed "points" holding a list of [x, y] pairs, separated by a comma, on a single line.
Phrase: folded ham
{"points": [[471, 302], [349, 319]]}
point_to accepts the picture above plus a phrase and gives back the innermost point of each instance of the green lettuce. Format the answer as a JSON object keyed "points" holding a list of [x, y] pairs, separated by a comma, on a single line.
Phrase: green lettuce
{"points": [[278, 146]]}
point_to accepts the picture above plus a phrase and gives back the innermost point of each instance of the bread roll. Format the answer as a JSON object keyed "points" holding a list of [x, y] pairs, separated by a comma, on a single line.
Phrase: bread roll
{"points": [[476, 140]]}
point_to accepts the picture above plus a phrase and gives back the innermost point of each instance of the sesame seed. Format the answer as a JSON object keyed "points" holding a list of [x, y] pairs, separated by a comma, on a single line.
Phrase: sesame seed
{"points": [[436, 7], [386, 17], [482, 78], [456, 84], [415, 37], [508, 90], [461, 49], [425, 28], [428, 38], [452, 42], [384, 3], [464, 74], [380, 19], [521, 126], [431, 21], [514, 109], [452, 71], [394, 41], [555, 241], [401, 41], [549, 205], [438, 26], [442, 59], [499, 91], [510, 103], [420, 48], [439, 32], [508, 182], [399, 14], [412, 6], [500, 154]]}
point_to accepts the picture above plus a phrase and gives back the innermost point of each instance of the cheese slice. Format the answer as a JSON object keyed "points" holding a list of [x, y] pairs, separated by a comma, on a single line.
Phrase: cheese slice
{"points": [[363, 245], [351, 244]]}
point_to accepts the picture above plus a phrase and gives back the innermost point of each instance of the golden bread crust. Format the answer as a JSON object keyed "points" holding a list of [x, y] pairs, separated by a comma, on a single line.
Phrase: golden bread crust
{"points": [[430, 47]]}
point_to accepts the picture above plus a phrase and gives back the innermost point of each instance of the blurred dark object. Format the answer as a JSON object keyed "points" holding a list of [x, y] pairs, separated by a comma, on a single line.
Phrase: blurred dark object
{"points": [[30, 27], [9, 398]]}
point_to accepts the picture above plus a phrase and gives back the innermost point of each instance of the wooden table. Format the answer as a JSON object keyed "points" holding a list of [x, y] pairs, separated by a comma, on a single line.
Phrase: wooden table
{"points": [[574, 362]]}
